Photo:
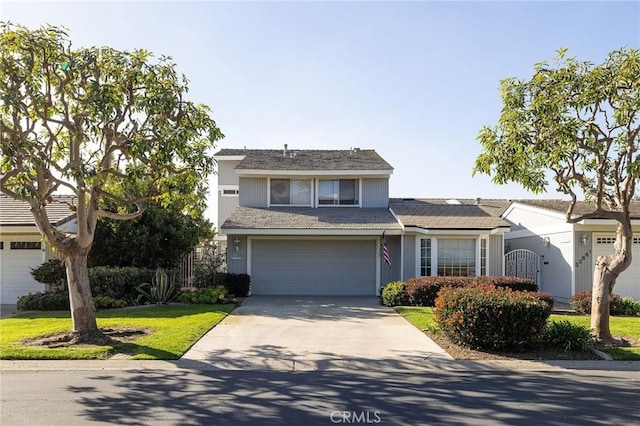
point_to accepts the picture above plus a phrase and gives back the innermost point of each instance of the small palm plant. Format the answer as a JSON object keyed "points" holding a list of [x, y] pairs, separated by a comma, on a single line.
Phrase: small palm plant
{"points": [[162, 290]]}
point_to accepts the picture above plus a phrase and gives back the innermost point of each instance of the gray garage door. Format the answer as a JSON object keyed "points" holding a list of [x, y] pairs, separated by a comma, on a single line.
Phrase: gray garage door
{"points": [[313, 267]]}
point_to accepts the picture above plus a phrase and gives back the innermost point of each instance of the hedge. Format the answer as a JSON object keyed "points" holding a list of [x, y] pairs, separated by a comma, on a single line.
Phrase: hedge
{"points": [[490, 317], [118, 283], [581, 303], [424, 290]]}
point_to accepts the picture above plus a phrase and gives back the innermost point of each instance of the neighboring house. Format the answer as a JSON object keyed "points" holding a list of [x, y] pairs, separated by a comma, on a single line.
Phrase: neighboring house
{"points": [[311, 222], [567, 252], [22, 247]]}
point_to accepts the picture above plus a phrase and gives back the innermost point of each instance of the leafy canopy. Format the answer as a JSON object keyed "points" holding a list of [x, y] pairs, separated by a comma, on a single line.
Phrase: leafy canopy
{"points": [[576, 119], [100, 123]]}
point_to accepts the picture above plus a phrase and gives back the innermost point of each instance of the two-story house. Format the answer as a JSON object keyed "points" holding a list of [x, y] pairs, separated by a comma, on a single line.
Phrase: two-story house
{"points": [[316, 222]]}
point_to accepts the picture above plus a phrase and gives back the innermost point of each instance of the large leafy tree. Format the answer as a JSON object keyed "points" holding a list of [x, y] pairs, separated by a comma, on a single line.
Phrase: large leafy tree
{"points": [[579, 123], [159, 238], [100, 124]]}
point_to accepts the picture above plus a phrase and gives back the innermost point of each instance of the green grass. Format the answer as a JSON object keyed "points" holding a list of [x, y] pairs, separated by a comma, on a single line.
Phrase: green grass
{"points": [[175, 329], [620, 326], [422, 317]]}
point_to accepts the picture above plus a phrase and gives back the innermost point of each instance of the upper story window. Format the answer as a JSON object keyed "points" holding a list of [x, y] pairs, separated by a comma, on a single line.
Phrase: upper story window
{"points": [[295, 192], [230, 192], [343, 192]]}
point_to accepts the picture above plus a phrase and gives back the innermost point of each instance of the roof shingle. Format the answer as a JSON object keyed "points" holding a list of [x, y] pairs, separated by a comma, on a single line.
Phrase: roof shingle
{"points": [[296, 160], [329, 218], [438, 213], [582, 207], [18, 213]]}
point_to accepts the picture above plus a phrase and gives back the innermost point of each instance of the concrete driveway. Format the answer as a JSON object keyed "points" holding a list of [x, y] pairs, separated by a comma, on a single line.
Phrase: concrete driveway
{"points": [[315, 333]]}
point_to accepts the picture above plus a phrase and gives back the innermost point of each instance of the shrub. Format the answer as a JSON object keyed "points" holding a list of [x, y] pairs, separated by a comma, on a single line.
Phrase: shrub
{"points": [[237, 285], [514, 283], [56, 301], [424, 290], [626, 306], [567, 336], [544, 296], [581, 303], [489, 317], [208, 271], [51, 273], [208, 295], [118, 283], [161, 290], [394, 294], [106, 302]]}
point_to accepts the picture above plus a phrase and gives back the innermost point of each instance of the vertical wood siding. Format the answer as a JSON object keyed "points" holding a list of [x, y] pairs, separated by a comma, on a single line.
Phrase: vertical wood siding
{"points": [[375, 192], [584, 261], [253, 192], [237, 263], [391, 273], [495, 255], [409, 257]]}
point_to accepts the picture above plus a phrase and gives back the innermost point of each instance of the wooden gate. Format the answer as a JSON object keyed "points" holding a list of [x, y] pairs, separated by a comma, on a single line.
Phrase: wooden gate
{"points": [[524, 264]]}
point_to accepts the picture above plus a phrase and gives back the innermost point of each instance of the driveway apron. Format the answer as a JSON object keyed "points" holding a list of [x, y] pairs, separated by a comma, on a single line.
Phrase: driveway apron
{"points": [[315, 333]]}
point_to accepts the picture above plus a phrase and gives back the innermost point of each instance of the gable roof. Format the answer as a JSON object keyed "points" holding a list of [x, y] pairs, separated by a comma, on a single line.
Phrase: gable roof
{"points": [[319, 160], [439, 213], [329, 218], [582, 207], [18, 213]]}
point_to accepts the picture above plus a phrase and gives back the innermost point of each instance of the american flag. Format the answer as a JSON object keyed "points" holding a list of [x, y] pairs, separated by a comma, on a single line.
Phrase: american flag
{"points": [[385, 250]]}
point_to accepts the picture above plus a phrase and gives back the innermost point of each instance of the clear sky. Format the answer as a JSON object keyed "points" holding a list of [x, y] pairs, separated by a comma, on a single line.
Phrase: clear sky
{"points": [[415, 81]]}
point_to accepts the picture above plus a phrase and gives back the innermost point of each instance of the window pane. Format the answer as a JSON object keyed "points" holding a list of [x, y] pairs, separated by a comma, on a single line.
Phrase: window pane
{"points": [[425, 257], [279, 191], [456, 257], [300, 192], [26, 245], [328, 192], [483, 257], [348, 191]]}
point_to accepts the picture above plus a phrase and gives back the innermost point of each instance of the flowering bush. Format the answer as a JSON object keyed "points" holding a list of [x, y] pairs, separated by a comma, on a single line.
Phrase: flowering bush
{"points": [[490, 317], [424, 290]]}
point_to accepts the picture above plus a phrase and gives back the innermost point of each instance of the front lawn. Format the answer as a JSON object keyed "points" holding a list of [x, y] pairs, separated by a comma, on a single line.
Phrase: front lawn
{"points": [[626, 327], [174, 329]]}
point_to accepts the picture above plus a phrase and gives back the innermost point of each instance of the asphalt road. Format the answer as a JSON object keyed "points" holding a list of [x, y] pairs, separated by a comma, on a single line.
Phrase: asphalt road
{"points": [[201, 396]]}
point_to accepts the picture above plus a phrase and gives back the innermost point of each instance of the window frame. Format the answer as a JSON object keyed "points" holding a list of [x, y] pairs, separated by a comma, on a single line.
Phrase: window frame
{"points": [[25, 245], [289, 179], [480, 262], [357, 192]]}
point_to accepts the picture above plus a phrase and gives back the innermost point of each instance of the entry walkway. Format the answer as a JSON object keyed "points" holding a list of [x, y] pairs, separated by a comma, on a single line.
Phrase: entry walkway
{"points": [[315, 333]]}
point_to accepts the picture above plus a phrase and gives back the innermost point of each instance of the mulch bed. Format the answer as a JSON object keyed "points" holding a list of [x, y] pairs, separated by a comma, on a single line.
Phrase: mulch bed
{"points": [[64, 339], [462, 353]]}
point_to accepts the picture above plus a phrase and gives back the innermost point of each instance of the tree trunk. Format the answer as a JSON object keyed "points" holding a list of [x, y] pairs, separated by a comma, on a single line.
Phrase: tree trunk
{"points": [[602, 282], [604, 279], [83, 313]]}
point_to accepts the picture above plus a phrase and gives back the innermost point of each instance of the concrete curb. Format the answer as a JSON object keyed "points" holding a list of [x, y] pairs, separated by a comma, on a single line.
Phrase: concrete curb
{"points": [[320, 365]]}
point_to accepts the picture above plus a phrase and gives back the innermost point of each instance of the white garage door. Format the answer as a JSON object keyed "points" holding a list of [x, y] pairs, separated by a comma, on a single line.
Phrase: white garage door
{"points": [[628, 283], [313, 267], [15, 264]]}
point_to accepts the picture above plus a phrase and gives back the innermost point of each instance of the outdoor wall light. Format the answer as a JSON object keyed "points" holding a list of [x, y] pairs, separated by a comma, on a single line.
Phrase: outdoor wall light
{"points": [[546, 241], [584, 239], [236, 245]]}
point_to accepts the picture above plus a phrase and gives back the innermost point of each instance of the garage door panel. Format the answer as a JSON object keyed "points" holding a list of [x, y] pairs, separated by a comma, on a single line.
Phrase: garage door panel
{"points": [[313, 267], [628, 283], [15, 274]]}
